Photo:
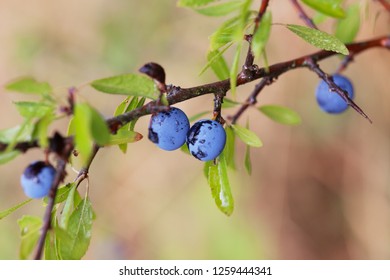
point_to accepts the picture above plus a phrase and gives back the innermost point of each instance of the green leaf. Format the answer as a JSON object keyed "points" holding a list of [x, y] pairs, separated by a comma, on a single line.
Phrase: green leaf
{"points": [[347, 28], [220, 9], [134, 103], [224, 34], [29, 230], [99, 128], [216, 56], [220, 186], [319, 39], [88, 126], [234, 69], [198, 116], [247, 161], [228, 103], [33, 109], [80, 127], [74, 241], [128, 84], [184, 149], [229, 149], [260, 38], [40, 130], [281, 114], [51, 249], [30, 86], [123, 137], [18, 133], [7, 156], [8, 211], [328, 7], [218, 64], [247, 136], [62, 193], [194, 3], [68, 206]]}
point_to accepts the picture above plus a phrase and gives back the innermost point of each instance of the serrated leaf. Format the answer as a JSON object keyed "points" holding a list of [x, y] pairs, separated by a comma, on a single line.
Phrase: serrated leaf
{"points": [[229, 149], [128, 84], [328, 7], [347, 28], [29, 85], [319, 39], [260, 38], [194, 3], [7, 156], [33, 109], [220, 9], [74, 241], [124, 136], [9, 211], [281, 114], [29, 230], [220, 186], [247, 136]]}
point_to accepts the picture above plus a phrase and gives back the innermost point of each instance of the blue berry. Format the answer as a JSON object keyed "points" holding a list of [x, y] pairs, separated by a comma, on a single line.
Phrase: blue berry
{"points": [[330, 101], [206, 139], [37, 179], [168, 129]]}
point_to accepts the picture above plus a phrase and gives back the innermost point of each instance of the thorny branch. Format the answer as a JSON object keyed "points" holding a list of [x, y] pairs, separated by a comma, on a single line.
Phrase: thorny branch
{"points": [[250, 72]]}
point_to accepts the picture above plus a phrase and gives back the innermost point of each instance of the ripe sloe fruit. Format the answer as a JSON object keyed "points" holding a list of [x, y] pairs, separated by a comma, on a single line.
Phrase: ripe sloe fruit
{"points": [[168, 129], [206, 139], [37, 179], [329, 101]]}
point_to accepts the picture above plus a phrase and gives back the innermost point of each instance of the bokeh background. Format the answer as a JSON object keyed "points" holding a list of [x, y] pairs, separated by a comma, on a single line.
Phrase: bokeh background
{"points": [[320, 190]]}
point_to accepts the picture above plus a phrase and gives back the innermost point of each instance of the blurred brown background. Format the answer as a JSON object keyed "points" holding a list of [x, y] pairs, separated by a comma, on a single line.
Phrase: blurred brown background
{"points": [[318, 191]]}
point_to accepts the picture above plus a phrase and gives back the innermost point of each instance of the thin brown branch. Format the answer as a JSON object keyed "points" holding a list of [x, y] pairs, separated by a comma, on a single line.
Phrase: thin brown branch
{"points": [[313, 66], [302, 14], [249, 57], [385, 4], [252, 99]]}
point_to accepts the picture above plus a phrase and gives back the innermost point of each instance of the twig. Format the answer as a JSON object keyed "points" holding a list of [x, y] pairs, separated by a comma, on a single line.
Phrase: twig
{"points": [[302, 14], [385, 4], [333, 87], [252, 99]]}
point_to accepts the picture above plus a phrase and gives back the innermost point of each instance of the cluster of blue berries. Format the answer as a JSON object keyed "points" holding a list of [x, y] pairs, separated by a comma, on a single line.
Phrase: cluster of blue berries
{"points": [[329, 101], [169, 130], [37, 179]]}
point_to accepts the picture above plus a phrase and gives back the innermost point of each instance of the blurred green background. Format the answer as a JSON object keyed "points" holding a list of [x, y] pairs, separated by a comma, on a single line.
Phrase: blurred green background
{"points": [[318, 191]]}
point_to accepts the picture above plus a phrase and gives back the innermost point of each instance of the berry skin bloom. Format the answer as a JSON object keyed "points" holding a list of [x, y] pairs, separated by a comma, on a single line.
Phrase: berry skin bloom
{"points": [[206, 139], [168, 129], [37, 179], [329, 101]]}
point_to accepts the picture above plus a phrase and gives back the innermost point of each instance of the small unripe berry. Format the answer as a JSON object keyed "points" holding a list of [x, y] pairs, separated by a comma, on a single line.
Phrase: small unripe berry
{"points": [[206, 139], [37, 179], [168, 129], [329, 101]]}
